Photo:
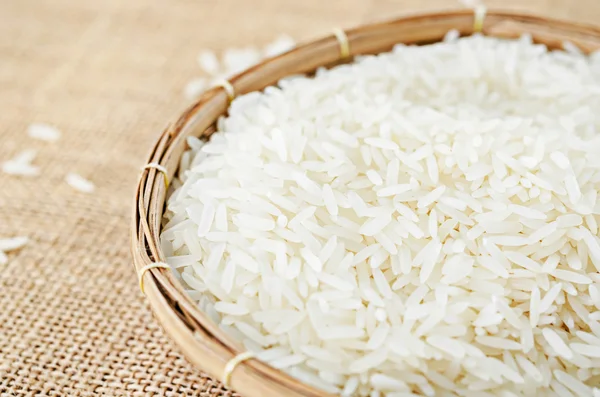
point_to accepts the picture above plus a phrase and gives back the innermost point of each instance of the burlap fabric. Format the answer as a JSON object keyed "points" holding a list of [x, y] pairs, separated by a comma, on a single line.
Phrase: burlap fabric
{"points": [[110, 75]]}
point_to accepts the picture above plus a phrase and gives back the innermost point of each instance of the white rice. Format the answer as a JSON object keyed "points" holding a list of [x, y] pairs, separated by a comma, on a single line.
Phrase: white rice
{"points": [[195, 87], [43, 132], [21, 164], [79, 183], [278, 46], [556, 343], [10, 244], [13, 243], [421, 222], [208, 61]]}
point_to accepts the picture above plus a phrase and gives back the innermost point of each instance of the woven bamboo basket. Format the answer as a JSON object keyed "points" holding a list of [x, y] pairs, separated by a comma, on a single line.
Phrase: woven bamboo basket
{"points": [[202, 342]]}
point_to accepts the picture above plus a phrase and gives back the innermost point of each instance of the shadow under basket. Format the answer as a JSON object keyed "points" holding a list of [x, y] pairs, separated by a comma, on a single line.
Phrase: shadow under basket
{"points": [[199, 338]]}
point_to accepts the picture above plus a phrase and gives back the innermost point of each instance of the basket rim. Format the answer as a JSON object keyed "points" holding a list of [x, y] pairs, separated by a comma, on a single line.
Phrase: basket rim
{"points": [[179, 316]]}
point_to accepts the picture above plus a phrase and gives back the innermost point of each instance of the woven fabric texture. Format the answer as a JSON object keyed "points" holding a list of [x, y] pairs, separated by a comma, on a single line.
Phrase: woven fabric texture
{"points": [[110, 75]]}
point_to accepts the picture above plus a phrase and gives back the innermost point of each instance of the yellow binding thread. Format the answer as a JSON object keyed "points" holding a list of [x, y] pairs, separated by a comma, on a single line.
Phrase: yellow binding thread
{"points": [[143, 271], [479, 17], [226, 85], [342, 39], [159, 168], [232, 364]]}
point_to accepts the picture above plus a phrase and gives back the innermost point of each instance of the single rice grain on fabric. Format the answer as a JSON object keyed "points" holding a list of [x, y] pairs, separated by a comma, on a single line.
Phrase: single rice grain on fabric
{"points": [[278, 46], [43, 132], [208, 62], [9, 245], [79, 183], [13, 243], [418, 222], [195, 87]]}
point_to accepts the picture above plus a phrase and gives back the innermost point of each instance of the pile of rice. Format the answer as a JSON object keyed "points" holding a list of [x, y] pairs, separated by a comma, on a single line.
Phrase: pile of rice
{"points": [[421, 222]]}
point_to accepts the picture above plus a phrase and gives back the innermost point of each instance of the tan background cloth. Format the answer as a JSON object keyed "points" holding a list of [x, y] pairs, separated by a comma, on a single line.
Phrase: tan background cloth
{"points": [[110, 74]]}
